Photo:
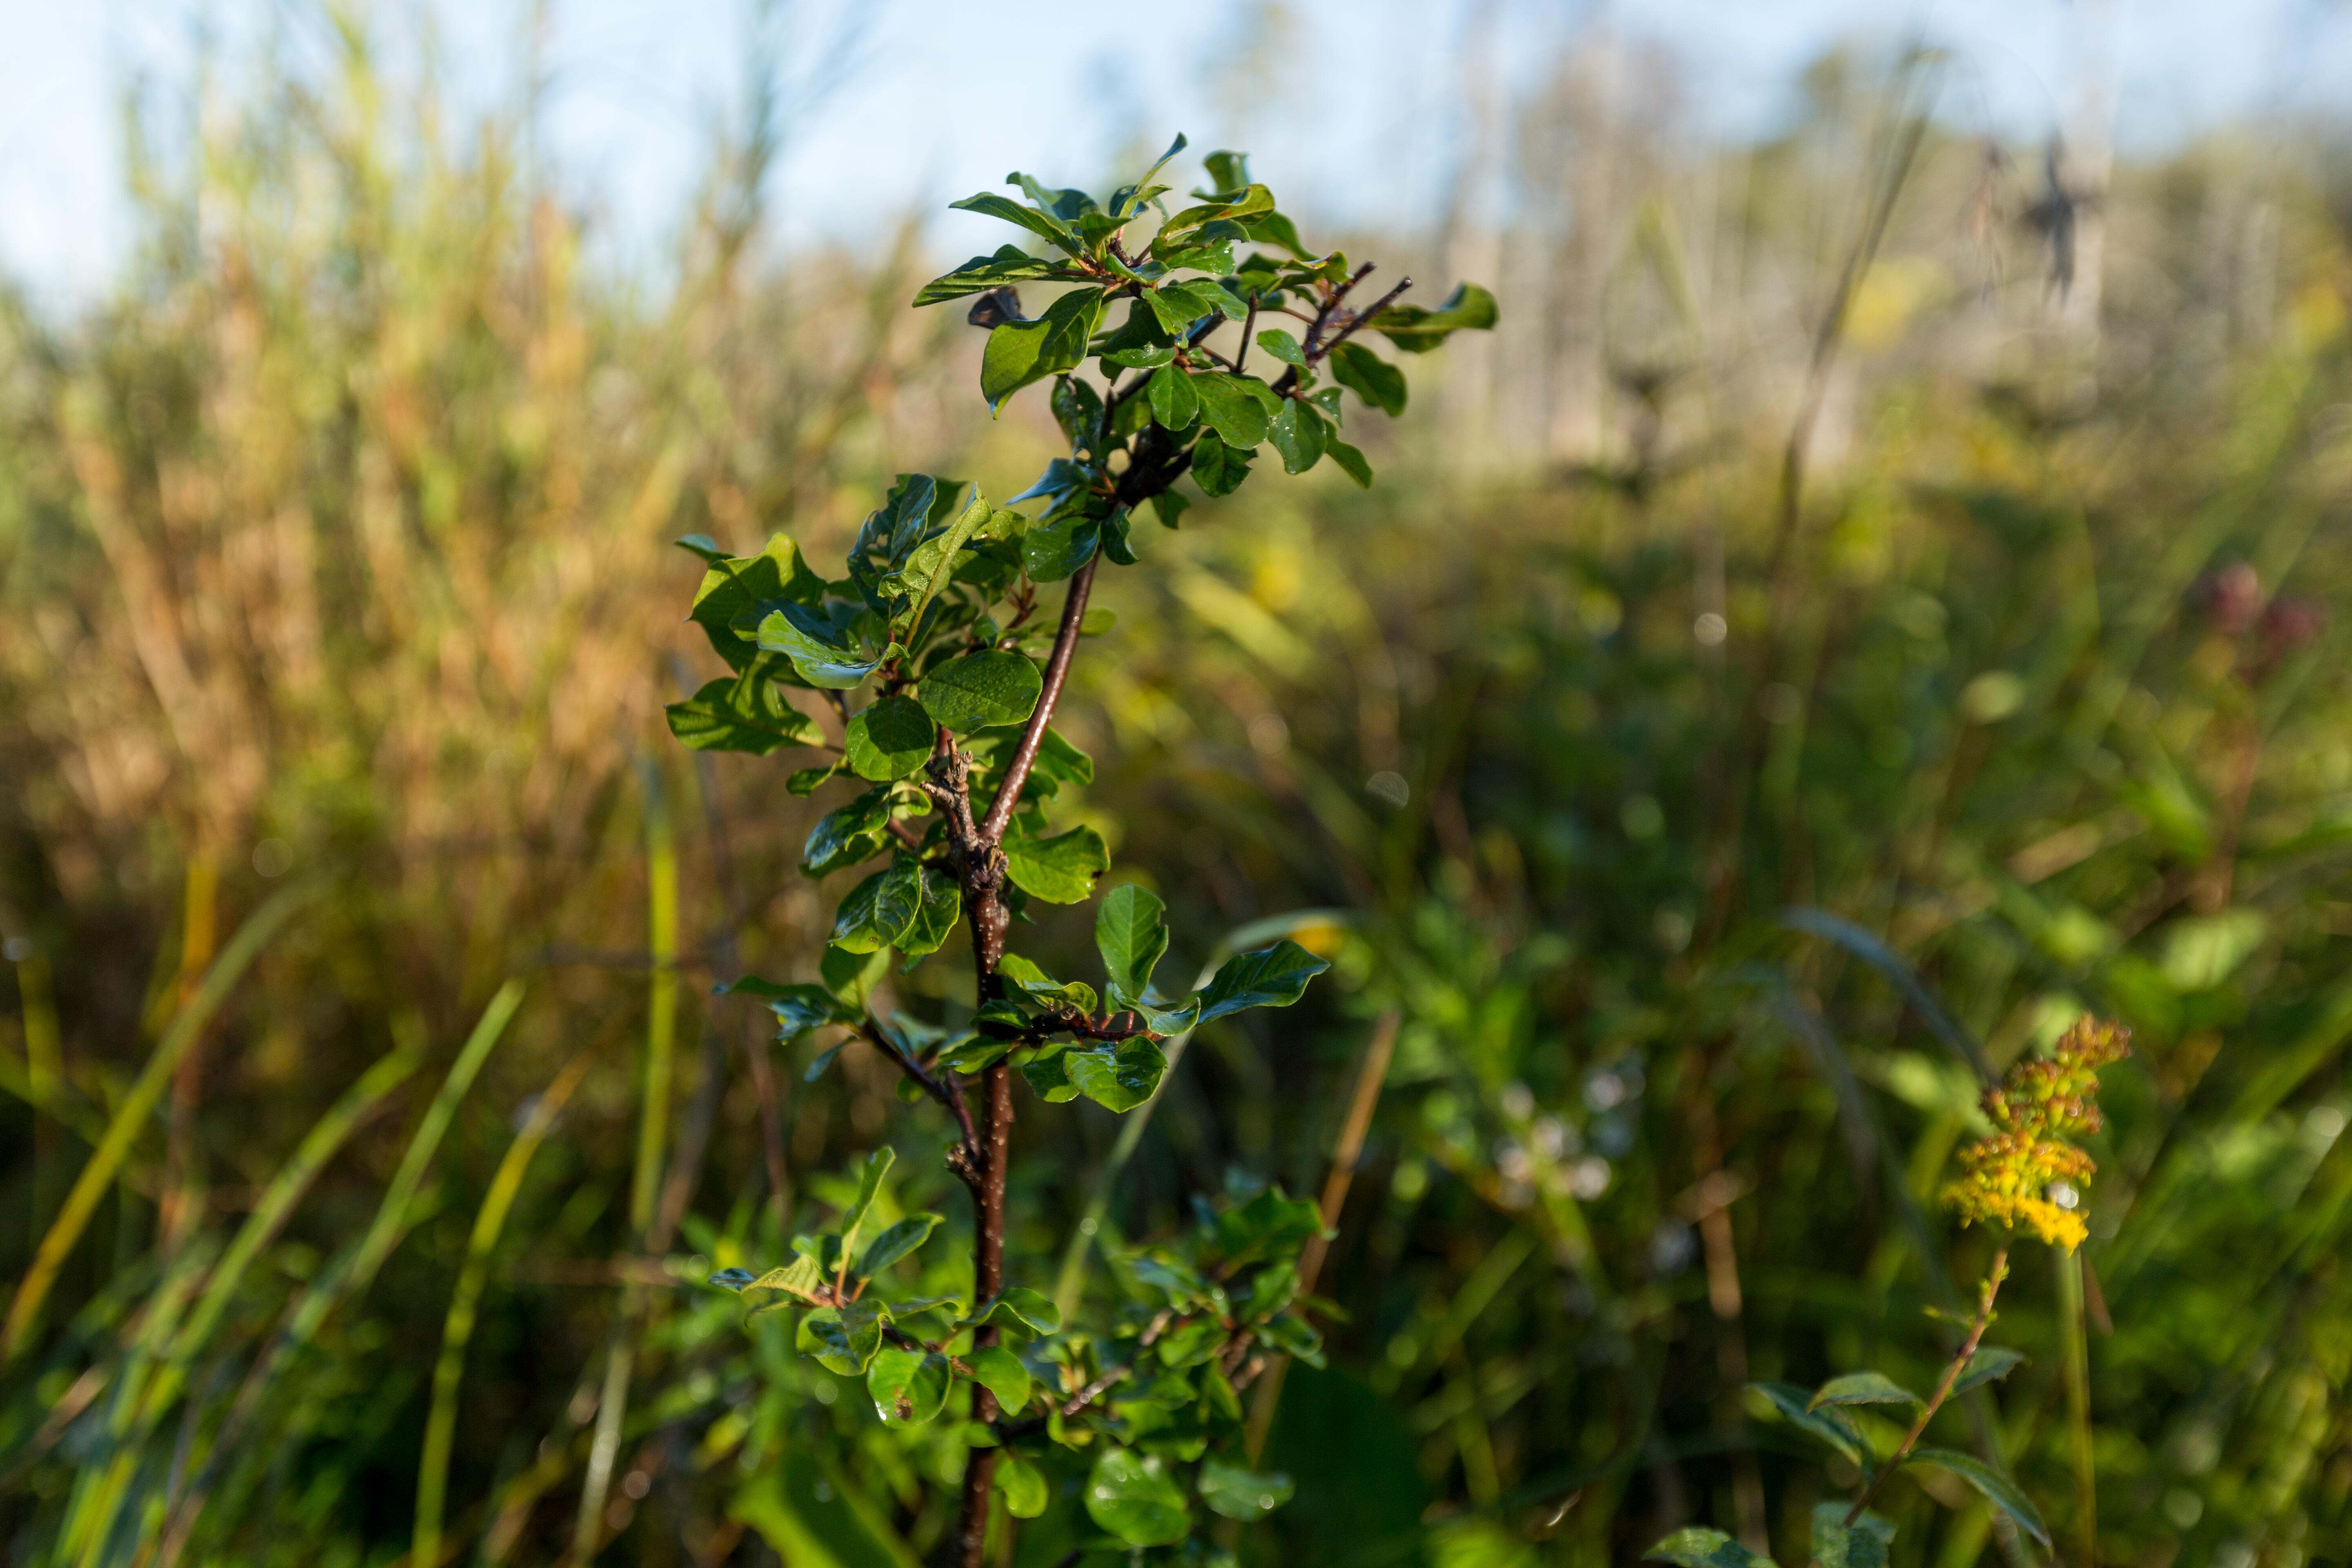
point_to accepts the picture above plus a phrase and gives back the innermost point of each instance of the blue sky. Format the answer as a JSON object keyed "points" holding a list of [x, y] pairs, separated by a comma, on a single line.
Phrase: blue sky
{"points": [[936, 102]]}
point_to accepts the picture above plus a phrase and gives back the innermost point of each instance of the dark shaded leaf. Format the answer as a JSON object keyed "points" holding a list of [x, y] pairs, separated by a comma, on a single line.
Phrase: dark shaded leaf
{"points": [[1270, 977], [748, 713], [1370, 377], [1999, 1490], [983, 273], [1417, 331]]}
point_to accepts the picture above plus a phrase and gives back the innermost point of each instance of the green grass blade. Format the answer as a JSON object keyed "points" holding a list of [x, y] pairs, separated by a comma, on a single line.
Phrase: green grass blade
{"points": [[130, 1118], [441, 1424]]}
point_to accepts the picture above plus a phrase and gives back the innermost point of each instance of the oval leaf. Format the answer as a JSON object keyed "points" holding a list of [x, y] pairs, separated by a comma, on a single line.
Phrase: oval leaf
{"points": [[909, 1386], [1061, 869], [890, 740], [896, 1243], [746, 714], [1861, 1388], [1118, 1077], [1134, 1498], [968, 694], [1002, 1372], [1987, 1363], [1131, 936], [1270, 977], [1024, 1486]]}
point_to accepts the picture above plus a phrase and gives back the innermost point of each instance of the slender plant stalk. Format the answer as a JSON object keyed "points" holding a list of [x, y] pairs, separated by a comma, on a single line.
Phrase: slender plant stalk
{"points": [[1371, 1074], [2076, 1345], [130, 1118], [448, 1371], [653, 1128], [1994, 1275]]}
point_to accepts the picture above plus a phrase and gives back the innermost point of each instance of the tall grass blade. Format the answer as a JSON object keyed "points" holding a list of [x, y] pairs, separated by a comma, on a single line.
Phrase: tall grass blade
{"points": [[448, 1371], [124, 1127]]}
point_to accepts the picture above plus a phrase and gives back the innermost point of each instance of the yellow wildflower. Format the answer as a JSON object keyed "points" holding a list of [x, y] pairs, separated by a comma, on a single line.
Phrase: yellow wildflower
{"points": [[2009, 1177]]}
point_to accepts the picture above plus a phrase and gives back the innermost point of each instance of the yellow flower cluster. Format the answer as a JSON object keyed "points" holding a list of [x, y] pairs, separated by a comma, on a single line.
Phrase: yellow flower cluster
{"points": [[2039, 1105]]}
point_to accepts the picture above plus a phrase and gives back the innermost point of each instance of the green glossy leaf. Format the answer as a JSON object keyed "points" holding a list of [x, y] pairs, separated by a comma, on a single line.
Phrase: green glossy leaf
{"points": [[1128, 199], [891, 740], [1061, 869], [1270, 977], [1829, 1427], [1218, 468], [1352, 462], [707, 548], [1170, 505], [1697, 1546], [1036, 223], [1118, 1074], [1989, 1361], [1024, 1486], [981, 273], [1133, 1496], [1050, 1076], [807, 781], [848, 835], [894, 1243], [1999, 1490], [1837, 1544], [1299, 435], [828, 661], [1057, 757], [1241, 1494], [1018, 1307], [852, 976], [930, 563], [935, 917], [802, 1277], [1131, 934], [748, 713], [1370, 377], [1174, 402], [1281, 346], [869, 1187], [909, 1387], [736, 586], [1228, 171], [841, 1338], [1862, 1388], [1229, 408], [1417, 331], [1053, 551], [1003, 1374], [1019, 352], [982, 690], [1036, 983]]}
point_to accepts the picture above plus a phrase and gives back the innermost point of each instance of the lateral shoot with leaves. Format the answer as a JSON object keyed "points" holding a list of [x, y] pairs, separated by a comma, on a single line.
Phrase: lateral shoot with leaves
{"points": [[2028, 1175], [944, 678]]}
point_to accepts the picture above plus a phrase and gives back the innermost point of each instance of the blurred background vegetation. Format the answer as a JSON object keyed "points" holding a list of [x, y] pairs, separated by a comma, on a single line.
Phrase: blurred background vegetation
{"points": [[1874, 601]]}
